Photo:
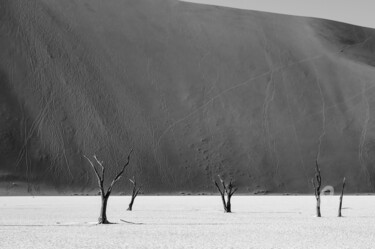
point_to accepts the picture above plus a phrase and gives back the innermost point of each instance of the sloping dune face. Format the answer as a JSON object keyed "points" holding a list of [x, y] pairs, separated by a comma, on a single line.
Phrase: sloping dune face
{"points": [[196, 90]]}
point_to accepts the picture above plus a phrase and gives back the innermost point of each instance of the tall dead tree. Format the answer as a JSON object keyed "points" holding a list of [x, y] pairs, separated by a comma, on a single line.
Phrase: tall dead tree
{"points": [[106, 193], [228, 190], [341, 196], [135, 193], [317, 183]]}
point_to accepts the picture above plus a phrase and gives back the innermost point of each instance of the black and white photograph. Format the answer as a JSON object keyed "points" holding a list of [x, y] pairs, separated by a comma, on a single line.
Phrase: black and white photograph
{"points": [[175, 124]]}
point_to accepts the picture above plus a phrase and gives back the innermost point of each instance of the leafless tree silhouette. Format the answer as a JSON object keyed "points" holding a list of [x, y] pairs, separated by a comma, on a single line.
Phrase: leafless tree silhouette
{"points": [[317, 183], [228, 190], [105, 194], [135, 192], [341, 196]]}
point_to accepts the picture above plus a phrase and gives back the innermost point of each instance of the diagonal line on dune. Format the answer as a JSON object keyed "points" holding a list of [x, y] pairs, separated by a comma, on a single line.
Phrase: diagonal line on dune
{"points": [[230, 89]]}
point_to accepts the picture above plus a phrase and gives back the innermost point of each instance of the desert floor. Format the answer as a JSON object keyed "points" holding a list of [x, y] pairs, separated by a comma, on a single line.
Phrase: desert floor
{"points": [[187, 222]]}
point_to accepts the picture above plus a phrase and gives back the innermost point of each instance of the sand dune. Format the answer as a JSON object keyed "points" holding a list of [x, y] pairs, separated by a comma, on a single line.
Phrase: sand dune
{"points": [[195, 90]]}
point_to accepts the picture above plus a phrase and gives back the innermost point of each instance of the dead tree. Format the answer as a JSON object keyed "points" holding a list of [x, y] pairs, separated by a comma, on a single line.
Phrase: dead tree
{"points": [[317, 183], [341, 196], [105, 194], [228, 190], [135, 193]]}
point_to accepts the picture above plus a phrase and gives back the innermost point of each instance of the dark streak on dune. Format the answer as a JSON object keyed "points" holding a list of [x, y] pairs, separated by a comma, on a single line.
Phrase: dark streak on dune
{"points": [[196, 91]]}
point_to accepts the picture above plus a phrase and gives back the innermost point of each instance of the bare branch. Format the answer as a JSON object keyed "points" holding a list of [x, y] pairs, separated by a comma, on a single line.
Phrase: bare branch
{"points": [[135, 189], [101, 165], [96, 171], [221, 180], [234, 191], [119, 174], [139, 189], [132, 181], [223, 183], [217, 186], [317, 166]]}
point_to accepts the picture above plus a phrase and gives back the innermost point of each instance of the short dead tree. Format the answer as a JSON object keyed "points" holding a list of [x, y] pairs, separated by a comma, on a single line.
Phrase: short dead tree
{"points": [[228, 190], [317, 183], [105, 193], [135, 193], [341, 196]]}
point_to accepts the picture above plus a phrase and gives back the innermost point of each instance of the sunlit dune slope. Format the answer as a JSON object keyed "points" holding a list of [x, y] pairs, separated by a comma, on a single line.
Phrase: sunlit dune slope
{"points": [[196, 90]]}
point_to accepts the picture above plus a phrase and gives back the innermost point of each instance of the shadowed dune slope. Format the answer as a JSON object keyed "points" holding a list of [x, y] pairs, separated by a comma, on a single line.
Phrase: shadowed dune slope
{"points": [[195, 90]]}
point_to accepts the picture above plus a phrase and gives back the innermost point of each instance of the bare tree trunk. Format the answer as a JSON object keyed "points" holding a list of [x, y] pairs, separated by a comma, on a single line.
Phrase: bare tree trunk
{"points": [[341, 196], [317, 185], [229, 206], [130, 208], [228, 190], [105, 194], [103, 211], [135, 193], [318, 214], [224, 202]]}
